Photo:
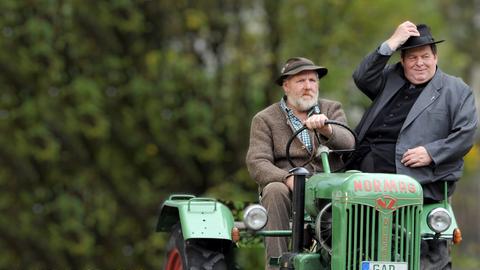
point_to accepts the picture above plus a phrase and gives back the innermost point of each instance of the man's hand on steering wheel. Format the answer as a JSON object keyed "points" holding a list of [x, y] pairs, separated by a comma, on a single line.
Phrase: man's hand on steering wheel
{"points": [[325, 126], [317, 121]]}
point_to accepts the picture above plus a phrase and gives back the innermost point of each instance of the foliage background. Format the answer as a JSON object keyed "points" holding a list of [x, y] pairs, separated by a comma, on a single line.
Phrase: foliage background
{"points": [[106, 107]]}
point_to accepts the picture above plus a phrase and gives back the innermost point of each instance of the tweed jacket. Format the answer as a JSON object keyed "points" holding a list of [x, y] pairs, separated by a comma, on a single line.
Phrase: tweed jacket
{"points": [[443, 119], [270, 131]]}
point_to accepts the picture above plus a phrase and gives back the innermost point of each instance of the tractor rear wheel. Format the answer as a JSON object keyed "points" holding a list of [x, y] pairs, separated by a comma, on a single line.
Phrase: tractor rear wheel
{"points": [[193, 254]]}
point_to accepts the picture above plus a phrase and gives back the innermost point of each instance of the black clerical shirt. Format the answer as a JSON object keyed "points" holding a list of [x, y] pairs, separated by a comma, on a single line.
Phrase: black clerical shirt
{"points": [[383, 133]]}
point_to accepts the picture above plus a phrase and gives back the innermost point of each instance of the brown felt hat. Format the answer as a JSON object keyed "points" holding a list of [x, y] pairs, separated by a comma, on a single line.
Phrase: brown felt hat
{"points": [[425, 38], [296, 65]]}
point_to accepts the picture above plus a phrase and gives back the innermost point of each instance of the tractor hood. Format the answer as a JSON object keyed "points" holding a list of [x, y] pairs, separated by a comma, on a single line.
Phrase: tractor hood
{"points": [[386, 192]]}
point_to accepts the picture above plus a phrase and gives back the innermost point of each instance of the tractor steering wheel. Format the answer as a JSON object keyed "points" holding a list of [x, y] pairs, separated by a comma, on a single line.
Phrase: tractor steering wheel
{"points": [[312, 156]]}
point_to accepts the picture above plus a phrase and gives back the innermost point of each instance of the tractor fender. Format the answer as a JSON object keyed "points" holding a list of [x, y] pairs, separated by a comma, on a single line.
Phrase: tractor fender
{"points": [[199, 217], [426, 232]]}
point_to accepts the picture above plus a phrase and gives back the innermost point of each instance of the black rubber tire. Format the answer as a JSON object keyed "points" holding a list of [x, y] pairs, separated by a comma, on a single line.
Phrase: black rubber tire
{"points": [[195, 254]]}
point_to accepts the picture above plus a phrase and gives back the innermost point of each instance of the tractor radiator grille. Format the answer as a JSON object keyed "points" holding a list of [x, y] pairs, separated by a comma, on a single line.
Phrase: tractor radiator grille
{"points": [[378, 236]]}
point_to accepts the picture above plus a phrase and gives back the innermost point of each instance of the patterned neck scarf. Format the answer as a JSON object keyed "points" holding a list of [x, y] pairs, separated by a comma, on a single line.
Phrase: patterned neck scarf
{"points": [[297, 123]]}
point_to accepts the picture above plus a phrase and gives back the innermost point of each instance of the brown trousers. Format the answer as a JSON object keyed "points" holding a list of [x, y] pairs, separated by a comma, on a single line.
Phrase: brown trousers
{"points": [[276, 198]]}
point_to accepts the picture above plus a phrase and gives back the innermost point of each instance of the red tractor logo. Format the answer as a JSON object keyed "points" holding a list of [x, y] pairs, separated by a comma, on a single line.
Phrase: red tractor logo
{"points": [[386, 202]]}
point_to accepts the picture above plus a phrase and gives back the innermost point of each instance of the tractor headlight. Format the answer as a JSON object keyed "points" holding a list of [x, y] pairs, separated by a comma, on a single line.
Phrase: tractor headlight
{"points": [[255, 217], [439, 220]]}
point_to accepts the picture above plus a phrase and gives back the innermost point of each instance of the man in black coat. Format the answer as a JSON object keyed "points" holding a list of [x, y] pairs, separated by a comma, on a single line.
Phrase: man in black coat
{"points": [[421, 122]]}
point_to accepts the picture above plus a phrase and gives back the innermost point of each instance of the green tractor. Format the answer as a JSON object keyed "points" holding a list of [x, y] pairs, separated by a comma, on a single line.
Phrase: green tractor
{"points": [[341, 221]]}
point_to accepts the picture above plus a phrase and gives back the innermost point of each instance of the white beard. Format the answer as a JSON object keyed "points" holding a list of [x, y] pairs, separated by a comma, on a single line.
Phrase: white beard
{"points": [[303, 104]]}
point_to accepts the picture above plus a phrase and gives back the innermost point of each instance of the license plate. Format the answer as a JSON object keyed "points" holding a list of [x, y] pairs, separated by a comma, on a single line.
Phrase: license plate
{"points": [[384, 266]]}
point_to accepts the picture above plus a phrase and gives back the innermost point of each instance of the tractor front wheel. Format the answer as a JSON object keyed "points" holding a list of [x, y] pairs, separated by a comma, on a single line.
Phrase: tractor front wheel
{"points": [[193, 254]]}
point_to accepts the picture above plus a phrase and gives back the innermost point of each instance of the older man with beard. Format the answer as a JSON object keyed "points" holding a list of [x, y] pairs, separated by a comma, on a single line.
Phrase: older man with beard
{"points": [[271, 129]]}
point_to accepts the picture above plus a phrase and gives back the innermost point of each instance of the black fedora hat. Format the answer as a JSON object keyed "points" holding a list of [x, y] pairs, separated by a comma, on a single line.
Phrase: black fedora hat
{"points": [[296, 65], [425, 38]]}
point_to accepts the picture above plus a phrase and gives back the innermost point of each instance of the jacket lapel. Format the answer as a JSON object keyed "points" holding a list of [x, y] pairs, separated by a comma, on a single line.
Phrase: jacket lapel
{"points": [[428, 95], [392, 86]]}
